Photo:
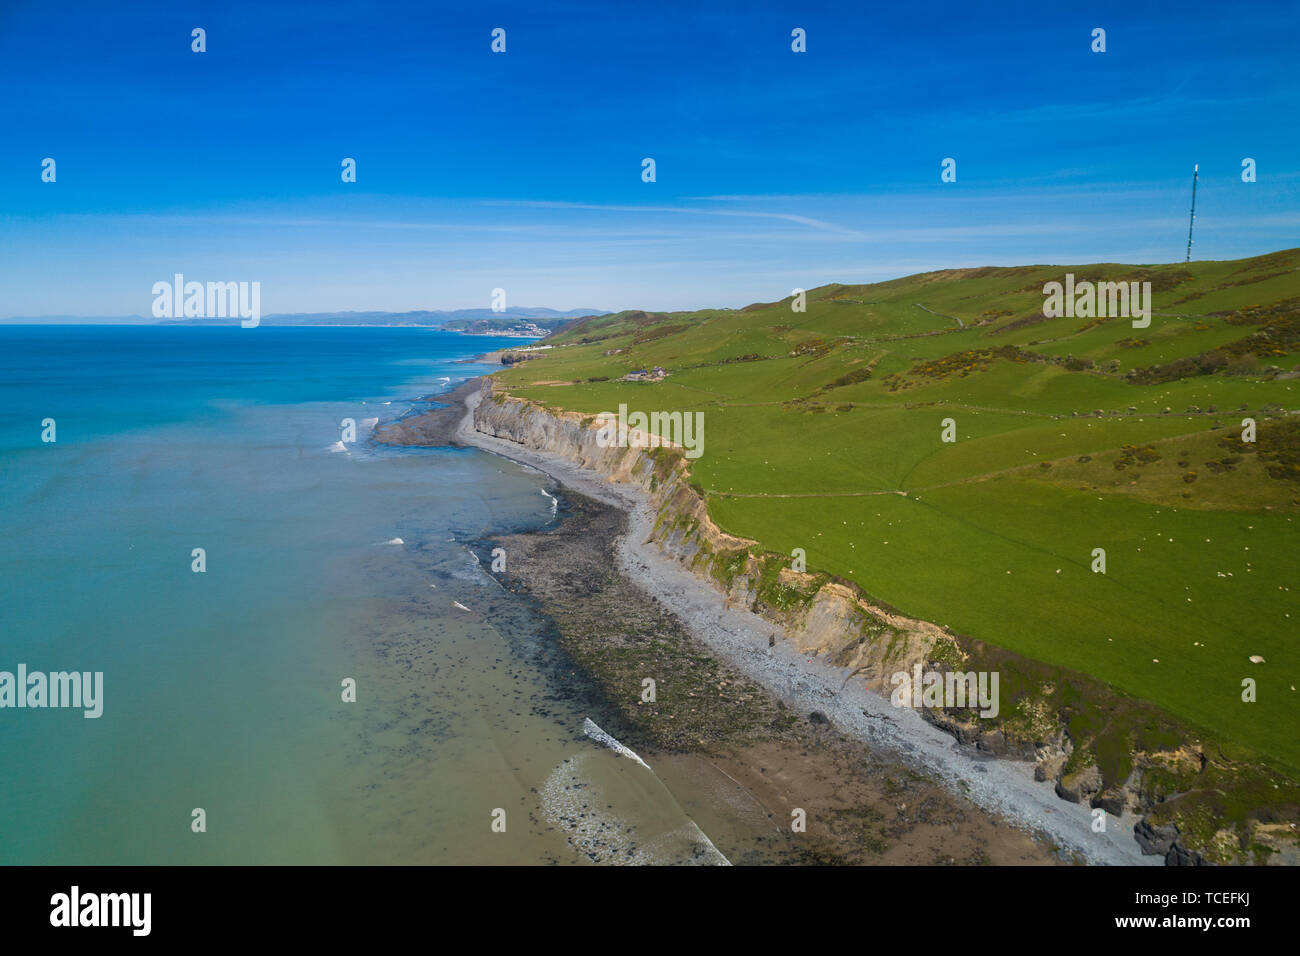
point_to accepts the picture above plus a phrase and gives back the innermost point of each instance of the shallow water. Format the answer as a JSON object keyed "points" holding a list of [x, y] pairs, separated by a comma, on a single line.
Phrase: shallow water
{"points": [[222, 689]]}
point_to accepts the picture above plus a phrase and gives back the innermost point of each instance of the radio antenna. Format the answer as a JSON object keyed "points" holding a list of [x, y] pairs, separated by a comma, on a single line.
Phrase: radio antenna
{"points": [[1195, 171]]}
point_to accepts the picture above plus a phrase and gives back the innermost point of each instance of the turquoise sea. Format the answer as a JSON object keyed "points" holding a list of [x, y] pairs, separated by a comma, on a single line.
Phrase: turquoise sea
{"points": [[222, 688]]}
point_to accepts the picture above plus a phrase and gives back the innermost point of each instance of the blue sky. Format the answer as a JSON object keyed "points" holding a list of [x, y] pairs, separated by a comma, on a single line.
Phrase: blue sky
{"points": [[523, 170]]}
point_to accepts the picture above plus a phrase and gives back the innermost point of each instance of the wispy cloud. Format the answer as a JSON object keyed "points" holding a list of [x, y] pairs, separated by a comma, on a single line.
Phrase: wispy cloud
{"points": [[683, 210]]}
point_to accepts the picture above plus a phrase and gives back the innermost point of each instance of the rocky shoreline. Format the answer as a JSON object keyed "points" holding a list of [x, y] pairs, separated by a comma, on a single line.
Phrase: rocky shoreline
{"points": [[738, 699], [660, 559], [723, 743], [433, 427]]}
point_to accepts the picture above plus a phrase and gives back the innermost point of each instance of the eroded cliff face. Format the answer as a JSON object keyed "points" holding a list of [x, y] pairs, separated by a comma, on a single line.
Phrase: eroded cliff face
{"points": [[820, 615], [835, 620]]}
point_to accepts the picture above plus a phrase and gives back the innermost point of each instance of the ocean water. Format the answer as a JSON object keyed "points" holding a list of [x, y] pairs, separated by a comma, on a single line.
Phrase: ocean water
{"points": [[222, 689]]}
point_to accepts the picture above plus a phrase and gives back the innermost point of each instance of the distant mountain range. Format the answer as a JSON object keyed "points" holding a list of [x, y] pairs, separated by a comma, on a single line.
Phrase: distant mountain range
{"points": [[523, 320]]}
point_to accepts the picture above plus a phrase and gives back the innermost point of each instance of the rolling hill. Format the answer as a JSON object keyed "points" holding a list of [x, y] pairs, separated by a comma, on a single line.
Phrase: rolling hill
{"points": [[824, 431]]}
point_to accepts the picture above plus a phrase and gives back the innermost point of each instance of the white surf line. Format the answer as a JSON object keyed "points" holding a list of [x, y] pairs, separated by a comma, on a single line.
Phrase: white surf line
{"points": [[590, 728], [488, 573], [746, 791]]}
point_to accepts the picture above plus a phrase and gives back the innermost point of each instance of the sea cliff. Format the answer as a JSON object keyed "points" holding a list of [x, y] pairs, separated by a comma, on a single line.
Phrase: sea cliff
{"points": [[1148, 787]]}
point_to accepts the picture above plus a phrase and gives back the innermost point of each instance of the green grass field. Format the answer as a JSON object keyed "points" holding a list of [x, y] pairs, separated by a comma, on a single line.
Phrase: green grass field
{"points": [[823, 431]]}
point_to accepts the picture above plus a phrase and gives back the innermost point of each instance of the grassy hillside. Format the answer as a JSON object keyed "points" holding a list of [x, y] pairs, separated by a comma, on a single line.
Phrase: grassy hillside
{"points": [[823, 431]]}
